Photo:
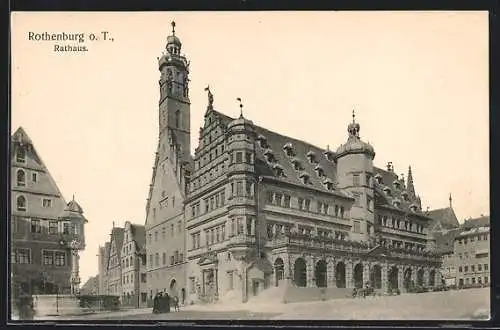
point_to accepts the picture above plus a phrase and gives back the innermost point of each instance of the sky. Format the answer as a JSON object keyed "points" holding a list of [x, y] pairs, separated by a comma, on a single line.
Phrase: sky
{"points": [[418, 82]]}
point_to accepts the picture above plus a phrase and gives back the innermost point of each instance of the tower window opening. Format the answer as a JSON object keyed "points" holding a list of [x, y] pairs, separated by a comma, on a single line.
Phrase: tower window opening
{"points": [[177, 119], [20, 155]]}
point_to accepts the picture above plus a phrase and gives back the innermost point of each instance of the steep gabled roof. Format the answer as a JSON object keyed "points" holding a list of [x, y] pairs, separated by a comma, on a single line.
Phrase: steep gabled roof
{"points": [[445, 218], [116, 237], [45, 184], [482, 221], [275, 143], [445, 240]]}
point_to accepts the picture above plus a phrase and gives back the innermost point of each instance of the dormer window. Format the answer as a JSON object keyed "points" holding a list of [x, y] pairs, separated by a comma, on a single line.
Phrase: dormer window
{"points": [[396, 202], [319, 170], [269, 155], [280, 171], [329, 154], [397, 184], [296, 164], [405, 196], [262, 141], [305, 177], [328, 183], [413, 208], [378, 177], [311, 155], [288, 148], [387, 190]]}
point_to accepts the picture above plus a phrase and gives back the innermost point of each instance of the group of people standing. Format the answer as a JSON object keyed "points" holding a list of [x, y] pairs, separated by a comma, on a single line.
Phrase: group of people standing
{"points": [[162, 303]]}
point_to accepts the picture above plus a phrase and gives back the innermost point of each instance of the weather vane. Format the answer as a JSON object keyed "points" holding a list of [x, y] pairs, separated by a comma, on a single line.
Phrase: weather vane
{"points": [[353, 116], [241, 107], [173, 27]]}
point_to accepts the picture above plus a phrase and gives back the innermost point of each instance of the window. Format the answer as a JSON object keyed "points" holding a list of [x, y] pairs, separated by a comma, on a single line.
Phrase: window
{"points": [[270, 197], [460, 269], [239, 157], [472, 268], [46, 202], [34, 177], [143, 278], [150, 260], [36, 226], [20, 155], [485, 267], [177, 119], [278, 197], [181, 257], [23, 256], [248, 158], [356, 226], [21, 178], [53, 227], [179, 226], [307, 204], [479, 267], [325, 208], [466, 269], [287, 201], [355, 180], [164, 258], [319, 207], [157, 259], [301, 203], [171, 260], [163, 232], [21, 203], [48, 257], [222, 198]]}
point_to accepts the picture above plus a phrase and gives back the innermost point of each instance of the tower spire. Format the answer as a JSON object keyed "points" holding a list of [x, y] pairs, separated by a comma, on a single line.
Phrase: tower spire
{"points": [[410, 187], [451, 204]]}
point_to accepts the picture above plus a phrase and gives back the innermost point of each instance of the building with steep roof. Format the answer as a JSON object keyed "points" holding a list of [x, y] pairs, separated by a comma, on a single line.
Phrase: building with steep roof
{"points": [[472, 253], [254, 209], [133, 260], [45, 229], [444, 218]]}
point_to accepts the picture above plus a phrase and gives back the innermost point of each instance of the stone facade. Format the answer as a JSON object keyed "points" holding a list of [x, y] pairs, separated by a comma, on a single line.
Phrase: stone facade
{"points": [[257, 209], [472, 257], [43, 225]]}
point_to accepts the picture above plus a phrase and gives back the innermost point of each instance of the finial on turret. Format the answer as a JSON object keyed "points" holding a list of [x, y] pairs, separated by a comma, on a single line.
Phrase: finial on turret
{"points": [[450, 201], [73, 197], [241, 107], [173, 27], [210, 97], [353, 116]]}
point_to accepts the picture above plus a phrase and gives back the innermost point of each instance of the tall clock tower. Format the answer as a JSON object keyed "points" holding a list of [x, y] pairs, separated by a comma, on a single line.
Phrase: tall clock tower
{"points": [[174, 109]]}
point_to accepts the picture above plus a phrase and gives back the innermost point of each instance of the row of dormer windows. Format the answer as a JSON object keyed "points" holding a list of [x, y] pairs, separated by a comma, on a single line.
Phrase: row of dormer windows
{"points": [[396, 223], [304, 204]]}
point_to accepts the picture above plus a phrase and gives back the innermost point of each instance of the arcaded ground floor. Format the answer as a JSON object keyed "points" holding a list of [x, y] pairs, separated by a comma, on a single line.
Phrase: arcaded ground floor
{"points": [[445, 305], [219, 276]]}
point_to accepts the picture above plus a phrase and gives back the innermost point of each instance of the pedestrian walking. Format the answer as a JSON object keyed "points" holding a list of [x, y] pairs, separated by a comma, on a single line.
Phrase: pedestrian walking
{"points": [[156, 304]]}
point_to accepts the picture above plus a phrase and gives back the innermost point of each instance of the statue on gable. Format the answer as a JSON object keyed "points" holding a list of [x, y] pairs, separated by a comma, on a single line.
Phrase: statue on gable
{"points": [[210, 97]]}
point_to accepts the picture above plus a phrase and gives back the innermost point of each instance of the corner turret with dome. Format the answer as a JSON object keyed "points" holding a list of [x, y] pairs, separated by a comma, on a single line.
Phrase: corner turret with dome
{"points": [[354, 143]]}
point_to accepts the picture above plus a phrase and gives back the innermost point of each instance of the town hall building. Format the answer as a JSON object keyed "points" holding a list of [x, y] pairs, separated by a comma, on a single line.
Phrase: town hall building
{"points": [[253, 209]]}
